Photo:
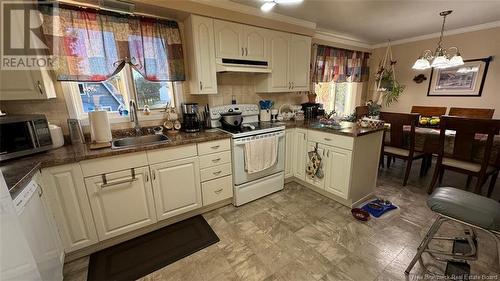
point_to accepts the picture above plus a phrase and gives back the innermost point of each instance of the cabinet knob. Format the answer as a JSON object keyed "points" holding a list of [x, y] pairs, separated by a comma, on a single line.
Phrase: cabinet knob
{"points": [[216, 160], [39, 85], [328, 139], [216, 173], [215, 146], [242, 51], [246, 52], [201, 85], [218, 191]]}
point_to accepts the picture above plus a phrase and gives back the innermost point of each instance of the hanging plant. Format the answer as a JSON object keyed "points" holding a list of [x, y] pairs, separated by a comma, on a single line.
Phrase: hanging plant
{"points": [[387, 84]]}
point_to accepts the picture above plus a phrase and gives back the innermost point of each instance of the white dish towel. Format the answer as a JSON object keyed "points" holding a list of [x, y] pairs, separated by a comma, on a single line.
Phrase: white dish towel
{"points": [[261, 154]]}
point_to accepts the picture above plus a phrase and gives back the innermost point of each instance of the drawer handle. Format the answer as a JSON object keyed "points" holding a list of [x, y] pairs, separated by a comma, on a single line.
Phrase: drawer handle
{"points": [[106, 184], [328, 139], [216, 173], [216, 160], [218, 191], [215, 146]]}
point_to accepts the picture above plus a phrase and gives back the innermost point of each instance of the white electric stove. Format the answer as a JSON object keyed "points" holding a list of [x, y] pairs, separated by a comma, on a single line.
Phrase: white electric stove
{"points": [[248, 187]]}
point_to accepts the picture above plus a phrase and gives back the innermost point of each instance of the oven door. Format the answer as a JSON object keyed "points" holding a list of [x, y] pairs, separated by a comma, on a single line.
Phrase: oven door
{"points": [[240, 175]]}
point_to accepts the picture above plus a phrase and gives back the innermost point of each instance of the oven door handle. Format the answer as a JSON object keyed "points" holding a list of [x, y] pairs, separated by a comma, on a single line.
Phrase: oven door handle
{"points": [[243, 142]]}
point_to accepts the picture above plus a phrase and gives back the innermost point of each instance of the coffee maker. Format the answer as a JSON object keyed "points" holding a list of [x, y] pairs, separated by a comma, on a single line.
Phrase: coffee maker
{"points": [[191, 121]]}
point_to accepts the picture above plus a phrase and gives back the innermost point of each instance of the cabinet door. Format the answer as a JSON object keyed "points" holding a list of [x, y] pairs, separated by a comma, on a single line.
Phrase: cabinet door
{"points": [[339, 171], [123, 204], [300, 57], [176, 186], [229, 40], [278, 59], [255, 40], [289, 152], [299, 153], [70, 206], [316, 181], [204, 53]]}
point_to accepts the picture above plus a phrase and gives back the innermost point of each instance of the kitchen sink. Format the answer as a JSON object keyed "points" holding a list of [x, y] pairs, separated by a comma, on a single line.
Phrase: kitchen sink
{"points": [[138, 141]]}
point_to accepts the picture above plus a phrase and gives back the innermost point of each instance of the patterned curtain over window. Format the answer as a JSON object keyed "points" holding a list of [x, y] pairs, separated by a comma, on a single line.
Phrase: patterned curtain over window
{"points": [[92, 46], [337, 65]]}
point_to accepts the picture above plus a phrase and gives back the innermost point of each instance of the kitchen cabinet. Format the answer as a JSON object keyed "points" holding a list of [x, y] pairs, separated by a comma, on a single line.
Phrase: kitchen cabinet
{"points": [[338, 167], [300, 153], [289, 151], [33, 84], [69, 203], [239, 41], [289, 59], [123, 203], [201, 53], [176, 186], [314, 180]]}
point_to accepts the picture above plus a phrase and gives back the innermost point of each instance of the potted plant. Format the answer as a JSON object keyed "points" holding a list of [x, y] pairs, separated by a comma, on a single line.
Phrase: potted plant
{"points": [[391, 89]]}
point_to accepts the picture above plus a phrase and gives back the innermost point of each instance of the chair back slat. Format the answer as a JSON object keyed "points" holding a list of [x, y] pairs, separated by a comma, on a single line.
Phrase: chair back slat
{"points": [[477, 113], [397, 122], [428, 111], [467, 132]]}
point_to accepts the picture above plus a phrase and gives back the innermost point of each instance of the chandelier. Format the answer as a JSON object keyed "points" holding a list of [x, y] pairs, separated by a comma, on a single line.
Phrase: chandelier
{"points": [[442, 57]]}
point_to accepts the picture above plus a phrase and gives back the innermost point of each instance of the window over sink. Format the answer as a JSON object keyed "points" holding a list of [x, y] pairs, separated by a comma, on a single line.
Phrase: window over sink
{"points": [[341, 97]]}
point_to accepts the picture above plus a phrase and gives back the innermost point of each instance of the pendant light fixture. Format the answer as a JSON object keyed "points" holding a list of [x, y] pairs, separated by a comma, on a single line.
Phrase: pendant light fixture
{"points": [[268, 5], [442, 58]]}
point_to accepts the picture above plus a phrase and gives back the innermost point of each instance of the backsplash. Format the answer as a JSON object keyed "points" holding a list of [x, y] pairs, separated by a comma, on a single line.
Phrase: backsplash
{"points": [[241, 85]]}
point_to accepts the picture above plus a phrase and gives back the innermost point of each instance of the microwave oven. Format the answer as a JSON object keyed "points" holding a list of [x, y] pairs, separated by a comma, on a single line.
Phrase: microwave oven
{"points": [[22, 135]]}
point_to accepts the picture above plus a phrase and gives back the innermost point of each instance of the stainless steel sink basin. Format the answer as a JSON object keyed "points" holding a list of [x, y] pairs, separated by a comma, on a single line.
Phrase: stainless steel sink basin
{"points": [[138, 141]]}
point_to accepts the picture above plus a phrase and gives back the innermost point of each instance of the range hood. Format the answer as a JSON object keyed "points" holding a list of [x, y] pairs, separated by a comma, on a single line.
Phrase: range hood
{"points": [[239, 65]]}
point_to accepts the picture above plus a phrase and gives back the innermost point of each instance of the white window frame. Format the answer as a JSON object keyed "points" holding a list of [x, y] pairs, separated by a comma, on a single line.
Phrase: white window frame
{"points": [[75, 107]]}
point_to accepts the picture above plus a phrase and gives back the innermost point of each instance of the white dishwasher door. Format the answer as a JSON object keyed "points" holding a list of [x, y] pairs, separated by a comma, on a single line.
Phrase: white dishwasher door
{"points": [[40, 234]]}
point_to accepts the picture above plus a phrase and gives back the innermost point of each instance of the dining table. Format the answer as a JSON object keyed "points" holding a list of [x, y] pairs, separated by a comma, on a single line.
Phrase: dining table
{"points": [[427, 141]]}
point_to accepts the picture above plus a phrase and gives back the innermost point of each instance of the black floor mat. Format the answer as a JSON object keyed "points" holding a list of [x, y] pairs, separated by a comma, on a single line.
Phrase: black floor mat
{"points": [[142, 255]]}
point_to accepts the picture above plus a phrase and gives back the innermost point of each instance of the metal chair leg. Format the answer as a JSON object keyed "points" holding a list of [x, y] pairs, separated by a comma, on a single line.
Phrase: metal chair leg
{"points": [[425, 242]]}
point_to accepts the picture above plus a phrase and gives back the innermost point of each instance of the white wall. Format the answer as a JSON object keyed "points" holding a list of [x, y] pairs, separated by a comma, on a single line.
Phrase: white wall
{"points": [[473, 45]]}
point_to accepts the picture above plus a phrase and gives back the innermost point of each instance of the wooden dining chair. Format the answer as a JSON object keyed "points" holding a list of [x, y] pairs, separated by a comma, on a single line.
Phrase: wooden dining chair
{"points": [[478, 113], [461, 158], [361, 111], [428, 111], [401, 143]]}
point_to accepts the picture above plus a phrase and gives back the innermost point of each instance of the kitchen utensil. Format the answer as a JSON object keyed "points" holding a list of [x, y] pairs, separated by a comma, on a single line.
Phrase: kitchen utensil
{"points": [[56, 135], [231, 119], [265, 115]]}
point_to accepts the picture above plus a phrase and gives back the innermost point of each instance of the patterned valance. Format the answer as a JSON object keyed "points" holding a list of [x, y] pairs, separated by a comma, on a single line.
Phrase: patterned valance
{"points": [[337, 65], [91, 45]]}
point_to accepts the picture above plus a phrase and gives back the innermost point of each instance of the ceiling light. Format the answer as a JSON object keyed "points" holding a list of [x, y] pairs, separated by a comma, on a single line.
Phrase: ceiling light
{"points": [[288, 1], [268, 6], [442, 58]]}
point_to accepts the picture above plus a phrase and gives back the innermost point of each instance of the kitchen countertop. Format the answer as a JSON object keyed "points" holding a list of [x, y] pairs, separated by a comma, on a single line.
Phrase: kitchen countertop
{"points": [[18, 172], [349, 129]]}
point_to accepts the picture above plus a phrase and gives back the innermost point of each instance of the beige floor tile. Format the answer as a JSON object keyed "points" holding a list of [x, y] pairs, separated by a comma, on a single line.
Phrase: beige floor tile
{"points": [[252, 269]]}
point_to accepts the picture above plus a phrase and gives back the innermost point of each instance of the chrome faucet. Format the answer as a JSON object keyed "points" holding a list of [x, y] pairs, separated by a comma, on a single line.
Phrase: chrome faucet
{"points": [[133, 117]]}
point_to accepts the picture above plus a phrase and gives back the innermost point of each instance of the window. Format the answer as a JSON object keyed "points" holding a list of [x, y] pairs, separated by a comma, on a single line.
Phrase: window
{"points": [[341, 97], [114, 94]]}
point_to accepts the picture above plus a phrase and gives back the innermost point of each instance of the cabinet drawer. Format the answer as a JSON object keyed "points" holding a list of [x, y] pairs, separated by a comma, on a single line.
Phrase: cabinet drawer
{"points": [[214, 146], [215, 172], [211, 160], [217, 190], [106, 165], [169, 154], [331, 139]]}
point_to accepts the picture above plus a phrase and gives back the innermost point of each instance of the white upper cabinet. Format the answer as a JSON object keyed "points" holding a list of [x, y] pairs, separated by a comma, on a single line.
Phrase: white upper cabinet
{"points": [[239, 41], [254, 41], [26, 85], [289, 58], [300, 59], [201, 55], [228, 40]]}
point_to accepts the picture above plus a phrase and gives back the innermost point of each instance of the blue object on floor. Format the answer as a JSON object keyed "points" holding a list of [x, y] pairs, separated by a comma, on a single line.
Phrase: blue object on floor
{"points": [[382, 207]]}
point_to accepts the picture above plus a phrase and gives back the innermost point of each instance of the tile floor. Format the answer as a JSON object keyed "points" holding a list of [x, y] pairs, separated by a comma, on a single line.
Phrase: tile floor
{"points": [[297, 234]]}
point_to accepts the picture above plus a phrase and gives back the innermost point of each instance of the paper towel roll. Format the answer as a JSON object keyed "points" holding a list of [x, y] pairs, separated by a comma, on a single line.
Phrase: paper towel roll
{"points": [[100, 130]]}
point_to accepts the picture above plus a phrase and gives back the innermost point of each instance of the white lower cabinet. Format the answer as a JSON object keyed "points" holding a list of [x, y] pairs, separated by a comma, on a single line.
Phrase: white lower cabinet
{"points": [[289, 151], [176, 186], [299, 153], [123, 204], [217, 190], [338, 167], [70, 206]]}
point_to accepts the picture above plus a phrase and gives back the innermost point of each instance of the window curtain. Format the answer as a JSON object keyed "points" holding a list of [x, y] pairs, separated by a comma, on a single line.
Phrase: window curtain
{"points": [[92, 46], [337, 65]]}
